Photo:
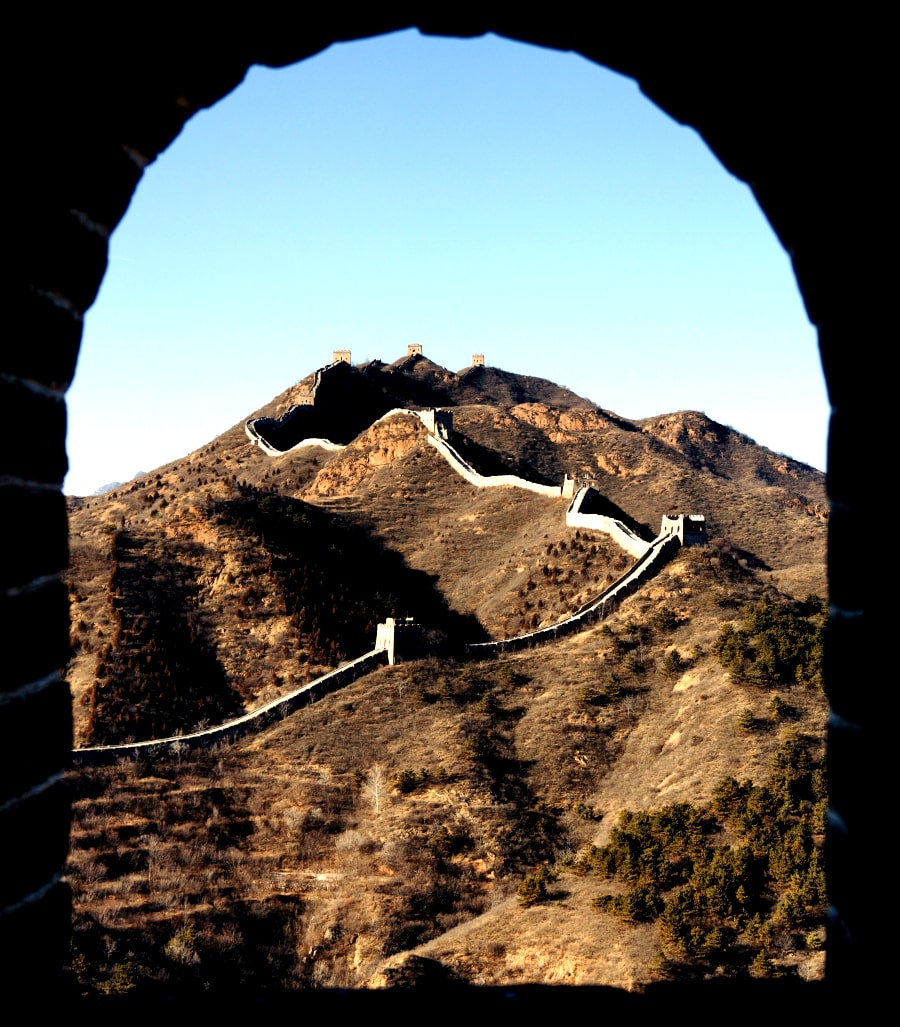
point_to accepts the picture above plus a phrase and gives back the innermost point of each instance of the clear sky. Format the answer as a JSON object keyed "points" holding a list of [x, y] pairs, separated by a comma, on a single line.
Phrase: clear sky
{"points": [[470, 195]]}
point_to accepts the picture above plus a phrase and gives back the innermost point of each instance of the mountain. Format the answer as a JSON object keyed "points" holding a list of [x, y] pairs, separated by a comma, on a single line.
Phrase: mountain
{"points": [[403, 812], [113, 485]]}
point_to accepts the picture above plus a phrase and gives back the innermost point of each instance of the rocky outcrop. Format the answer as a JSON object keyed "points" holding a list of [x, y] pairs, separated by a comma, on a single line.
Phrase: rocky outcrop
{"points": [[559, 422], [387, 440]]}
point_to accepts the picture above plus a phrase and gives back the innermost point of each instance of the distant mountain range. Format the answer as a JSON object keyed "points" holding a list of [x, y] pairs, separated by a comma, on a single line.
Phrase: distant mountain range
{"points": [[114, 485]]}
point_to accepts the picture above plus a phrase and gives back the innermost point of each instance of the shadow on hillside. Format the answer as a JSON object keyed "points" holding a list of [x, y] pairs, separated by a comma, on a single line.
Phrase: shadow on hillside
{"points": [[152, 862], [159, 674], [347, 402], [490, 463], [337, 581], [596, 503]]}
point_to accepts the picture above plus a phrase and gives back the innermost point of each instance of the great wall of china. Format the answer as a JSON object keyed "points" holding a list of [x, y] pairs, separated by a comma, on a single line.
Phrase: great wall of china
{"points": [[676, 530]]}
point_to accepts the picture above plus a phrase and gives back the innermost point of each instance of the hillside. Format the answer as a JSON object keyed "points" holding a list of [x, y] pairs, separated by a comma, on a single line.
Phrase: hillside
{"points": [[403, 813]]}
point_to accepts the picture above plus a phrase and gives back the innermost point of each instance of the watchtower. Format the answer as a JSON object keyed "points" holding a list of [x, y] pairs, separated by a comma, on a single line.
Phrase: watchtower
{"points": [[690, 528], [438, 422], [401, 637]]}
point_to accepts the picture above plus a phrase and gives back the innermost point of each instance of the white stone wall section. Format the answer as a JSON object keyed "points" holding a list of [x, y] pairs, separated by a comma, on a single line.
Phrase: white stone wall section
{"points": [[231, 730], [619, 531]]}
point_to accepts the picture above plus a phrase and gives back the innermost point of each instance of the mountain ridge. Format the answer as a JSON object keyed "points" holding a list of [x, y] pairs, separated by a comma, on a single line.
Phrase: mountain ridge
{"points": [[425, 793]]}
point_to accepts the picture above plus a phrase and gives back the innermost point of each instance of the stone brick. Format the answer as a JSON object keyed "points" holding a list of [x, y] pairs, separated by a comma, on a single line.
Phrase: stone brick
{"points": [[64, 257], [52, 363], [854, 839], [36, 834], [34, 940], [849, 583], [850, 480], [26, 617], [35, 738], [33, 447], [33, 534], [101, 181]]}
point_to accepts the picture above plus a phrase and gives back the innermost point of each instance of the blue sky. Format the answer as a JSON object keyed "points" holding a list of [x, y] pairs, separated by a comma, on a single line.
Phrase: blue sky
{"points": [[470, 195]]}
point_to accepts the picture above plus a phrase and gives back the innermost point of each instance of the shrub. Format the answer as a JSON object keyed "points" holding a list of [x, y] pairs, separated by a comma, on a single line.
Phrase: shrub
{"points": [[584, 812], [635, 663], [746, 719], [674, 664], [777, 644], [640, 904], [123, 978], [479, 746], [182, 946], [534, 888], [442, 843], [507, 675], [612, 686], [406, 781], [661, 967], [488, 704], [778, 708], [665, 619]]}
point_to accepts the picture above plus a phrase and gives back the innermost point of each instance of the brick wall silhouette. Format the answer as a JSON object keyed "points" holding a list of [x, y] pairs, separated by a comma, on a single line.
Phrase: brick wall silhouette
{"points": [[793, 112]]}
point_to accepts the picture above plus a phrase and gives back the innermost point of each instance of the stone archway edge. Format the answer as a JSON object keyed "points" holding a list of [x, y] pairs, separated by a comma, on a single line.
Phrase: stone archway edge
{"points": [[798, 108]]}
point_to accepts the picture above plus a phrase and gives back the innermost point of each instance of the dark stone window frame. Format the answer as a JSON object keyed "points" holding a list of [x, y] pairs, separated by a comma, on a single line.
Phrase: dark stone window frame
{"points": [[794, 112]]}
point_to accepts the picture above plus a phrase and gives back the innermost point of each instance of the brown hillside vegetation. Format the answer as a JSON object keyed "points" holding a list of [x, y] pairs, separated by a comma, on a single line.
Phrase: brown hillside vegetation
{"points": [[448, 820]]}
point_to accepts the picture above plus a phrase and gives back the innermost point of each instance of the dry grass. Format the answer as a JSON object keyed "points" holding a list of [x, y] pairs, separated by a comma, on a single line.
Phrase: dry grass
{"points": [[275, 845]]}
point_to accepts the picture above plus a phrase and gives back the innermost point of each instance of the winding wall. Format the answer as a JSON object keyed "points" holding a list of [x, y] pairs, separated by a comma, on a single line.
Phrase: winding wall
{"points": [[658, 553], [616, 529], [453, 458], [480, 481], [252, 433], [231, 730], [651, 556]]}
